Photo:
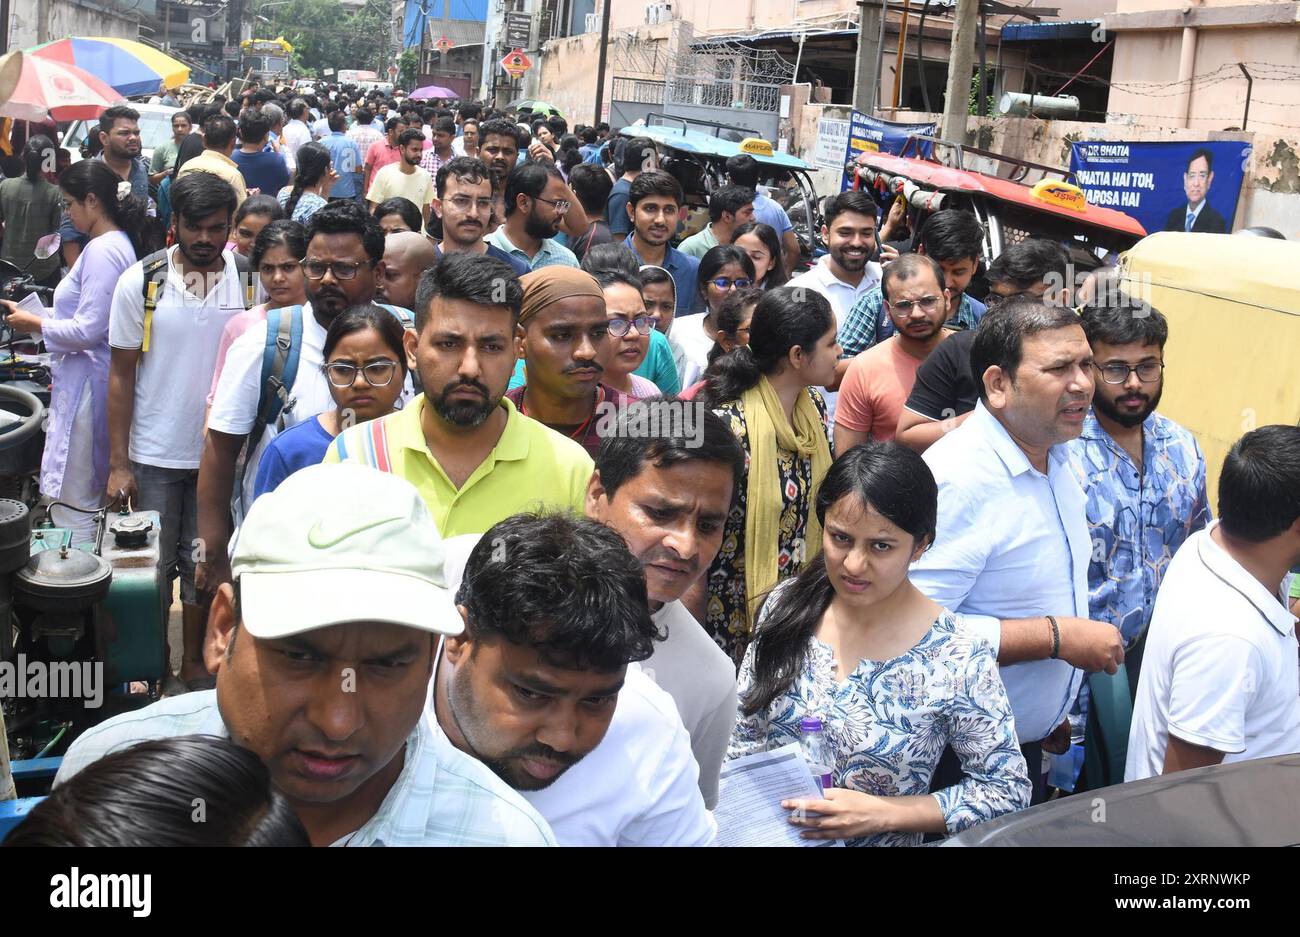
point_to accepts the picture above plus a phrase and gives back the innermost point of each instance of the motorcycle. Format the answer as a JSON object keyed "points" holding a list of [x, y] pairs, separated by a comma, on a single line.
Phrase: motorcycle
{"points": [[16, 282]]}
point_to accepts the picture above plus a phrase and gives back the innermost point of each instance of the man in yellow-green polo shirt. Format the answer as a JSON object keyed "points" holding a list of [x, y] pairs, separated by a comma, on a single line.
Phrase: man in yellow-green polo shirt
{"points": [[469, 452]]}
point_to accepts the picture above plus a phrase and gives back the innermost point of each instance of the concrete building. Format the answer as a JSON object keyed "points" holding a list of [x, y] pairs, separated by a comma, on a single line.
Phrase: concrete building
{"points": [[25, 23], [462, 22], [1177, 66]]}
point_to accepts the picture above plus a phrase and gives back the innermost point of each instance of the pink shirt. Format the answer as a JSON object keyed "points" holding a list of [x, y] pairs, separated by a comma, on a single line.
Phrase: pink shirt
{"points": [[235, 327], [380, 155], [875, 388]]}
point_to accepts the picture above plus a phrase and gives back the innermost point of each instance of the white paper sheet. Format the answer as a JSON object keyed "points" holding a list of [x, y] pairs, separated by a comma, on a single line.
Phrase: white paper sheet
{"points": [[750, 791], [32, 303]]}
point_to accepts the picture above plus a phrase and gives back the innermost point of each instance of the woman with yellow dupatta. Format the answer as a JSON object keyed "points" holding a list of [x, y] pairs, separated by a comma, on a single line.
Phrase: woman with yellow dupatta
{"points": [[767, 392]]}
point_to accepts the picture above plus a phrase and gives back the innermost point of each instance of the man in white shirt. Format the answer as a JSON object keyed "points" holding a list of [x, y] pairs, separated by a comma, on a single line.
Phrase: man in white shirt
{"points": [[1220, 681], [850, 269], [344, 248], [161, 364], [323, 649], [296, 132], [538, 685], [1011, 551], [668, 494]]}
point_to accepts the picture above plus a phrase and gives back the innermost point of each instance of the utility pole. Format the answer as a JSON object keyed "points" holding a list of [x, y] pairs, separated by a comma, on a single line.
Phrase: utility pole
{"points": [[600, 62], [956, 105], [4, 26], [866, 77], [42, 21]]}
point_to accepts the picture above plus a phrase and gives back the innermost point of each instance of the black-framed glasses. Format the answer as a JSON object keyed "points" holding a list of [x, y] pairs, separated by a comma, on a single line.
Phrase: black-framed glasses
{"points": [[904, 307], [620, 327], [560, 205], [1116, 372], [723, 283], [377, 373], [342, 270]]}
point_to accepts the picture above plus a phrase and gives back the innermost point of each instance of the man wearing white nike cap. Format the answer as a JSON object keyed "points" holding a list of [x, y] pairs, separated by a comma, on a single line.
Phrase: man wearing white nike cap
{"points": [[323, 648]]}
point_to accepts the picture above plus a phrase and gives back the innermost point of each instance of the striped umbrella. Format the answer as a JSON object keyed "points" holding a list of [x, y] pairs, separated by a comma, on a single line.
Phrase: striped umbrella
{"points": [[130, 67], [48, 89]]}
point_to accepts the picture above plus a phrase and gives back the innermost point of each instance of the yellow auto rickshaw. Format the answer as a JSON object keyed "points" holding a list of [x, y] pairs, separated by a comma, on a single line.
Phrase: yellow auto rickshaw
{"points": [[1233, 305]]}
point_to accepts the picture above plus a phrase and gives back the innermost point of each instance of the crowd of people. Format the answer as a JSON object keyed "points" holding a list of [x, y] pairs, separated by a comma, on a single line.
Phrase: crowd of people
{"points": [[498, 519]]}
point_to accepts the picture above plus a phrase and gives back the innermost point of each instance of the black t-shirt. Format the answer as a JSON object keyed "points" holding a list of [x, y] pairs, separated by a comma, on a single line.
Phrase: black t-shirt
{"points": [[944, 385]]}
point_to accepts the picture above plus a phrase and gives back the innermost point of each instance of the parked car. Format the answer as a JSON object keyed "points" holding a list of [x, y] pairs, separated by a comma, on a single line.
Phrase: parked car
{"points": [[155, 129], [1245, 803]]}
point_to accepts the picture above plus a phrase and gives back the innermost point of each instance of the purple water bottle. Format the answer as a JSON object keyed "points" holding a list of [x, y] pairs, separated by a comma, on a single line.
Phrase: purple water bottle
{"points": [[817, 752]]}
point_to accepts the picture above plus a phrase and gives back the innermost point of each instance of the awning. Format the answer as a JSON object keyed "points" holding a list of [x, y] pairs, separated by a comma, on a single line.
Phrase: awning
{"points": [[1067, 29]]}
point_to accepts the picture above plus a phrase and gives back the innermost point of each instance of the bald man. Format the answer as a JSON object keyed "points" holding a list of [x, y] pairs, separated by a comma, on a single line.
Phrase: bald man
{"points": [[407, 254]]}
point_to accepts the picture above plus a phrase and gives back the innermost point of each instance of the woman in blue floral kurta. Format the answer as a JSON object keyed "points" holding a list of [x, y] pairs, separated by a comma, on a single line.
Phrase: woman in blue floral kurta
{"points": [[894, 677]]}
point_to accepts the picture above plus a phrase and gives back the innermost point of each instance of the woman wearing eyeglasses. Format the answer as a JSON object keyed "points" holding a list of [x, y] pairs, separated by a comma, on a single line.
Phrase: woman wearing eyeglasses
{"points": [[366, 369], [722, 269], [629, 333]]}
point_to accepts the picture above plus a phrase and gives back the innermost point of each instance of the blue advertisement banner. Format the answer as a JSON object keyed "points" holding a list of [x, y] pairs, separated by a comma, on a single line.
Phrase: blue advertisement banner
{"points": [[1184, 186], [869, 134]]}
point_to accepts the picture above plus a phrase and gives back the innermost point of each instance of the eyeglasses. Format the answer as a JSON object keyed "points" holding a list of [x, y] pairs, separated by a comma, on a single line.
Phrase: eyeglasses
{"points": [[464, 204], [620, 327], [378, 373], [1197, 176], [723, 283], [560, 205], [904, 307], [342, 270], [1117, 372]]}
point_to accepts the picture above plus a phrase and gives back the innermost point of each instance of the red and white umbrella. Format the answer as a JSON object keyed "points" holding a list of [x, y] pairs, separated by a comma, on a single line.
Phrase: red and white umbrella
{"points": [[48, 89]]}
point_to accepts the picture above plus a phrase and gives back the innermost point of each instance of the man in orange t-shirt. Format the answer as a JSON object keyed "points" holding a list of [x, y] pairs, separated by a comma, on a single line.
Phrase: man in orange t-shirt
{"points": [[877, 382]]}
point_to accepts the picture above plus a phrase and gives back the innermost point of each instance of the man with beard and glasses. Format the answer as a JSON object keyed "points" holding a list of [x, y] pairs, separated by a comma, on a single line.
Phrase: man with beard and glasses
{"points": [[536, 202], [539, 686], [500, 150], [161, 368], [464, 207], [462, 443], [563, 339], [344, 248], [404, 178], [1011, 550], [878, 381], [1144, 475], [323, 646], [945, 392]]}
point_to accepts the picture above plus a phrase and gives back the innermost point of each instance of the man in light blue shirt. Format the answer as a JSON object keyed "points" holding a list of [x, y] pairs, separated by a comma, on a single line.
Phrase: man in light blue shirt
{"points": [[1011, 550], [345, 158], [323, 650], [536, 201]]}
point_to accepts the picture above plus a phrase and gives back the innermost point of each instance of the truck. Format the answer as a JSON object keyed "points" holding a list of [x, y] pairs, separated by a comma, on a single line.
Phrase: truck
{"points": [[265, 60]]}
